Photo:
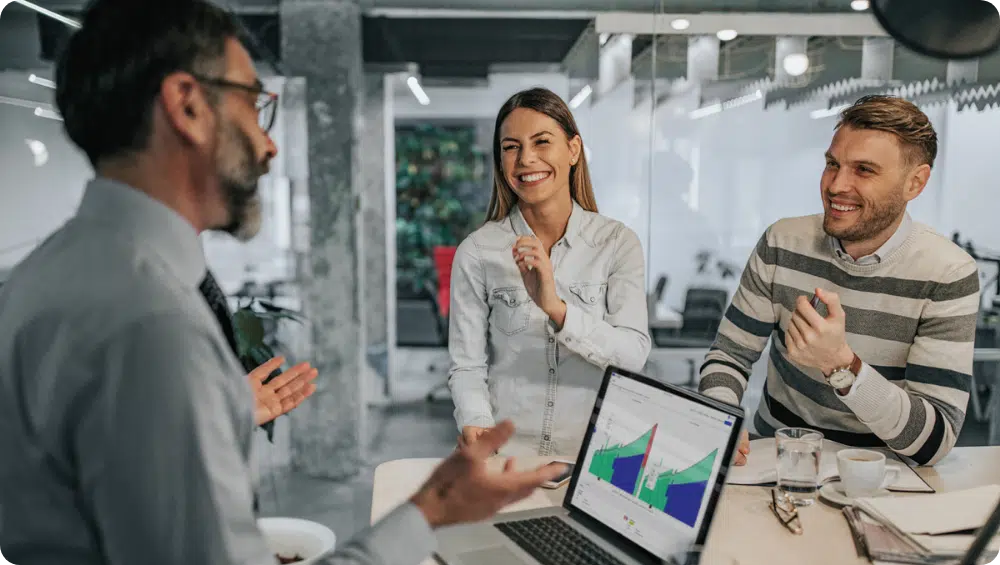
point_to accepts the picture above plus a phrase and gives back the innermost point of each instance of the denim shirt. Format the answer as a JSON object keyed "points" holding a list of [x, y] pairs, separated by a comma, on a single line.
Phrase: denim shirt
{"points": [[508, 360]]}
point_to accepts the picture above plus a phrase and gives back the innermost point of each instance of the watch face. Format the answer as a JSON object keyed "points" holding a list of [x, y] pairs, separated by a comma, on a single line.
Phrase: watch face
{"points": [[842, 378]]}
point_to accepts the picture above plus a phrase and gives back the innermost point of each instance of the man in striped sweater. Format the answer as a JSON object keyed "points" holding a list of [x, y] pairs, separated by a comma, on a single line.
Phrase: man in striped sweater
{"points": [[885, 357]]}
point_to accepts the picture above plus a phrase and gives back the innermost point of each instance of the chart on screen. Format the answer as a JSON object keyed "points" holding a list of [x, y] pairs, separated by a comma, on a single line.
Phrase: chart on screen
{"points": [[674, 487], [660, 451]]}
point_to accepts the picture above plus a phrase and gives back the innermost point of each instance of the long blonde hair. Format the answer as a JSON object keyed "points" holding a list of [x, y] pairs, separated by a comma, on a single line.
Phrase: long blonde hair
{"points": [[503, 199]]}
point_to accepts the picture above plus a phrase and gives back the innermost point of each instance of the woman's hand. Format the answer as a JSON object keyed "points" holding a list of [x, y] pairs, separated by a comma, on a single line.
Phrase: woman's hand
{"points": [[470, 434], [536, 272]]}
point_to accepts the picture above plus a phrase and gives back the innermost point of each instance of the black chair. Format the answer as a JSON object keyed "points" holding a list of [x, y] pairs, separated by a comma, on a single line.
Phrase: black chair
{"points": [[703, 312], [418, 321]]}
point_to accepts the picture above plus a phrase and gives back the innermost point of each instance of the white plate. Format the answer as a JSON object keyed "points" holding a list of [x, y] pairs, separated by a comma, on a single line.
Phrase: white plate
{"points": [[293, 536], [834, 492]]}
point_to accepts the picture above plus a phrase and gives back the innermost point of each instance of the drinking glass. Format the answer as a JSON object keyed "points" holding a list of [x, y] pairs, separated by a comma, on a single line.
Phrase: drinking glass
{"points": [[799, 451]]}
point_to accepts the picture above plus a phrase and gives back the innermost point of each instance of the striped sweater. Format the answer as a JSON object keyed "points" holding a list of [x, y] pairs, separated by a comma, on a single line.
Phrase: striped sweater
{"points": [[911, 318]]}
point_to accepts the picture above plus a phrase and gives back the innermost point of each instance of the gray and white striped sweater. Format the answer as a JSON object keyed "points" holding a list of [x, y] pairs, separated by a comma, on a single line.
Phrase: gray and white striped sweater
{"points": [[911, 318]]}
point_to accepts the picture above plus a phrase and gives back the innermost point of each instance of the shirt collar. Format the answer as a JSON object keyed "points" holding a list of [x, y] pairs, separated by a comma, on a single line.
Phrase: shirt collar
{"points": [[573, 228], [897, 239], [148, 222]]}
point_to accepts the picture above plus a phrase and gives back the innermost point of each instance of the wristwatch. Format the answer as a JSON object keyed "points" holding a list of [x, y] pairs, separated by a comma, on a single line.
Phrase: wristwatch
{"points": [[844, 376]]}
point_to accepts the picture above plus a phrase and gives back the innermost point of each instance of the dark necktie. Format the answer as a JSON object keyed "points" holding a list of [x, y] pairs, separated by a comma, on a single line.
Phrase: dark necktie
{"points": [[217, 302]]}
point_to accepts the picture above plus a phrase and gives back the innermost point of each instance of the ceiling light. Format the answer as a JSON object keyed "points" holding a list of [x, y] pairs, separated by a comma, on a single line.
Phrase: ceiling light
{"points": [[49, 13], [580, 96], [726, 34], [860, 5], [994, 3], [417, 91], [38, 151], [41, 81], [46, 113], [796, 64], [680, 24], [604, 38]]}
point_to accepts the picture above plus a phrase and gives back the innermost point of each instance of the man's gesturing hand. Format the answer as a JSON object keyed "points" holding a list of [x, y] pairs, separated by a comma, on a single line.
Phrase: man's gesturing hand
{"points": [[461, 489]]}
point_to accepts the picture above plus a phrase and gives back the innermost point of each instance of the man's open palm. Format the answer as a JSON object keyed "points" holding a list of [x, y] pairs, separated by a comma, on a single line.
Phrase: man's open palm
{"points": [[284, 392]]}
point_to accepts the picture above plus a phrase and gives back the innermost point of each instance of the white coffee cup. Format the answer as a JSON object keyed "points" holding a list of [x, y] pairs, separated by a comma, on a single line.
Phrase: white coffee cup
{"points": [[863, 472]]}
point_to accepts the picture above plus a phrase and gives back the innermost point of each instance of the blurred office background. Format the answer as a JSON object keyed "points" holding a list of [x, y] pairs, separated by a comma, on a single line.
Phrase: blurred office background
{"points": [[703, 122]]}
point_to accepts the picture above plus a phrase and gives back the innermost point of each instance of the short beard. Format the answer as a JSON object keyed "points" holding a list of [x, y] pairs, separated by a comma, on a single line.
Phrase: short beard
{"points": [[238, 176], [875, 219]]}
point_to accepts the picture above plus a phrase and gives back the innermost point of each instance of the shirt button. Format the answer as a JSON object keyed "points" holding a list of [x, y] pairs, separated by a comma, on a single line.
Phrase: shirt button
{"points": [[593, 299], [552, 340], [545, 437], [550, 403], [552, 371]]}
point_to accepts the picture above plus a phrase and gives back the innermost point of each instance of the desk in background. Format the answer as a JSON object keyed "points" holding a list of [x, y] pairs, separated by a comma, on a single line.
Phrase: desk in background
{"points": [[744, 529]]}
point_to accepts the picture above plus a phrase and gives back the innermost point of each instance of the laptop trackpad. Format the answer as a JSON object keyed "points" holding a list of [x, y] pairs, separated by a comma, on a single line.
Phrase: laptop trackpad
{"points": [[491, 556]]}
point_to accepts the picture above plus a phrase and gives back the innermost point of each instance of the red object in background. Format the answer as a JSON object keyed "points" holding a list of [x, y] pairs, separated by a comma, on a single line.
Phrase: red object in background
{"points": [[443, 258]]}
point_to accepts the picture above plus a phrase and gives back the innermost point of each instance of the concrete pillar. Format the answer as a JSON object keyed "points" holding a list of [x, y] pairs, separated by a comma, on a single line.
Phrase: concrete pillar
{"points": [[702, 58], [614, 63], [377, 152], [876, 58], [962, 71], [321, 42], [783, 47]]}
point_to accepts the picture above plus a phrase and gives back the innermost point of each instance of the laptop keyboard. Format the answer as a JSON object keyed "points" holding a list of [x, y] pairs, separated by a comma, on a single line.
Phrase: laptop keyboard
{"points": [[554, 542]]}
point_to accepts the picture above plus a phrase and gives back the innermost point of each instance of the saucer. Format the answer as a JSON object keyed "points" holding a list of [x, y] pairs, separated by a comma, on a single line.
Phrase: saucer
{"points": [[834, 492]]}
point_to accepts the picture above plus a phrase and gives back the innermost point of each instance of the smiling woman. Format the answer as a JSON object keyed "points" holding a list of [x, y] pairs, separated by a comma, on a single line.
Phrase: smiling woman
{"points": [[547, 293]]}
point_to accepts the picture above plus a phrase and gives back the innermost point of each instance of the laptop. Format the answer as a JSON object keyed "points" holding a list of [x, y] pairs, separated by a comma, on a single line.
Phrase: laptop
{"points": [[644, 489]]}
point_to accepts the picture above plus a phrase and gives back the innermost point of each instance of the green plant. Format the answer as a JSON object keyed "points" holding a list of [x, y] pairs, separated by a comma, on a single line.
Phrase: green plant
{"points": [[440, 193], [255, 325]]}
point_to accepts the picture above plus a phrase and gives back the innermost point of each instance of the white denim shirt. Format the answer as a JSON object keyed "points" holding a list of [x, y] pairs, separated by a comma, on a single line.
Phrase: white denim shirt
{"points": [[508, 359]]}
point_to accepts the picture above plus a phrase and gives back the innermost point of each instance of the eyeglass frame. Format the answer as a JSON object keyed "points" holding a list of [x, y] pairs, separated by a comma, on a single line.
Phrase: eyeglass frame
{"points": [[255, 89], [791, 520]]}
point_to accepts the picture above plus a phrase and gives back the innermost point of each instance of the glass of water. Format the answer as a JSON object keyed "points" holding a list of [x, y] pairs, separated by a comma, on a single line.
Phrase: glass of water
{"points": [[799, 450]]}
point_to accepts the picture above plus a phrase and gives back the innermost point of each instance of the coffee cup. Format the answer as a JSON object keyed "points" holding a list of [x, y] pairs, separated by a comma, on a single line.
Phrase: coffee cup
{"points": [[863, 472]]}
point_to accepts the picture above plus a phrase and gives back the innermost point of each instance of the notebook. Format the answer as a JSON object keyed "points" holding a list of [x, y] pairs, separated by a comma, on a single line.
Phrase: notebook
{"points": [[762, 467]]}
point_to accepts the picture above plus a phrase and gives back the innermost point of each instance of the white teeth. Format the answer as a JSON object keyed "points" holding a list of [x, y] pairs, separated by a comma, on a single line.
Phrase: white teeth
{"points": [[533, 177], [842, 208]]}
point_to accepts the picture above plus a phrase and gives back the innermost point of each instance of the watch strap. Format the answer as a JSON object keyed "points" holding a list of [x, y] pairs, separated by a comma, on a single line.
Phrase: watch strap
{"points": [[856, 365]]}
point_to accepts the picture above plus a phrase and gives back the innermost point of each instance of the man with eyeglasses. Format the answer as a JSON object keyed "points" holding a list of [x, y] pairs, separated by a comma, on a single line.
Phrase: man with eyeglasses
{"points": [[125, 426]]}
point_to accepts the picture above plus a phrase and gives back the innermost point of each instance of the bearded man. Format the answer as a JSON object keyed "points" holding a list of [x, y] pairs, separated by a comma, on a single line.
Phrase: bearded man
{"points": [[873, 315]]}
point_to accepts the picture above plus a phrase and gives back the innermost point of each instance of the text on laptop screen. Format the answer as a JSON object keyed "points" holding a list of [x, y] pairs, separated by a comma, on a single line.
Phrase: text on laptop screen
{"points": [[651, 465]]}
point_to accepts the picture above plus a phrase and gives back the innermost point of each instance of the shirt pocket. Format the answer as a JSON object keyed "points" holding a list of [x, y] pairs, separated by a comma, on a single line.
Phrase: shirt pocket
{"points": [[510, 308], [591, 296]]}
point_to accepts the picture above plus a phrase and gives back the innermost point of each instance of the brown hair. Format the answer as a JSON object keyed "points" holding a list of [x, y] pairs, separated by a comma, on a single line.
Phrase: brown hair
{"points": [[899, 117], [542, 100]]}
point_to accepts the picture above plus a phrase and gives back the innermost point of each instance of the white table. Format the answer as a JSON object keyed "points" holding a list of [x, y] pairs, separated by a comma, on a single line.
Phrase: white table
{"points": [[744, 530]]}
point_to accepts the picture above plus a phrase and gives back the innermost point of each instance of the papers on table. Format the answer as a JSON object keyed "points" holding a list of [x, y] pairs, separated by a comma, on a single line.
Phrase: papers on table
{"points": [[762, 467], [941, 513]]}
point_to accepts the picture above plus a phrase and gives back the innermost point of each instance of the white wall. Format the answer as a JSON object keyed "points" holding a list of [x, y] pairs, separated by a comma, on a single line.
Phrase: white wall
{"points": [[35, 199]]}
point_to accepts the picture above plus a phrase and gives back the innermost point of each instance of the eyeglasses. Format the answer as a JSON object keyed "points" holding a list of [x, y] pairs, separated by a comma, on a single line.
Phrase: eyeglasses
{"points": [[266, 103], [786, 512]]}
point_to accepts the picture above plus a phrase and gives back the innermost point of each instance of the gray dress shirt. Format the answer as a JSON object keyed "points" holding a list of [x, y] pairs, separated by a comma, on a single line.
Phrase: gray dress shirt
{"points": [[125, 420], [508, 359]]}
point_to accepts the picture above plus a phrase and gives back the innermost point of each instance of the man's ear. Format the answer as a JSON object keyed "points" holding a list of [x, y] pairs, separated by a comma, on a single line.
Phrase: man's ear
{"points": [[917, 181], [186, 109]]}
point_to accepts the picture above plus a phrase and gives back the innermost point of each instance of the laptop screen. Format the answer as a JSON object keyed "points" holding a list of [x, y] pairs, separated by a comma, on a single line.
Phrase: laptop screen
{"points": [[651, 464]]}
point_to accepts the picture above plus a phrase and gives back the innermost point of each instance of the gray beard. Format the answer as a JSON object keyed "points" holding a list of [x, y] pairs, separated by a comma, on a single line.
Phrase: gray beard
{"points": [[239, 179]]}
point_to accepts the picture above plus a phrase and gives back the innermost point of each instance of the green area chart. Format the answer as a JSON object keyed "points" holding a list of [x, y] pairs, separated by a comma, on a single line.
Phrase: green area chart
{"points": [[678, 494]]}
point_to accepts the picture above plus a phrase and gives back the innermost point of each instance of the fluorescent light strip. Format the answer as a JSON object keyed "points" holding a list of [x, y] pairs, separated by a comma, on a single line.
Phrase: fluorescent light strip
{"points": [[35, 79], [45, 113], [417, 91], [49, 13], [827, 112], [728, 104], [581, 96]]}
